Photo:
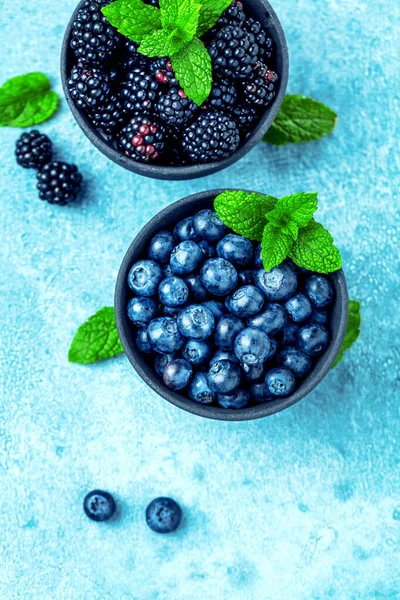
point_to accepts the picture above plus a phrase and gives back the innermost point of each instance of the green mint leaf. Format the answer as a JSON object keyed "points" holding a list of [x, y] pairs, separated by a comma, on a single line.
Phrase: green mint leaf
{"points": [[192, 66], [291, 229], [352, 331], [244, 212], [97, 339], [210, 12], [27, 100], [300, 119], [275, 246], [180, 17], [314, 249], [160, 43], [133, 18], [298, 208]]}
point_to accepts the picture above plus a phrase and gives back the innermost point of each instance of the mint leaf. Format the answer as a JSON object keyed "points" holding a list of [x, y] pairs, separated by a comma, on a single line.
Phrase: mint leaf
{"points": [[160, 43], [314, 250], [180, 17], [244, 212], [26, 100], [192, 66], [97, 339], [291, 229], [275, 246], [133, 18], [300, 119], [352, 331], [210, 12], [298, 208]]}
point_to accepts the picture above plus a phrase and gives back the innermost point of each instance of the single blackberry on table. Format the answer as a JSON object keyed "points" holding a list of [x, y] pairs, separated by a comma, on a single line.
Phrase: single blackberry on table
{"points": [[212, 137], [263, 41], [175, 108], [163, 72], [89, 87], [139, 92], [93, 38], [260, 90], [109, 117], [59, 182], [245, 116], [223, 95], [234, 52], [143, 139], [33, 150]]}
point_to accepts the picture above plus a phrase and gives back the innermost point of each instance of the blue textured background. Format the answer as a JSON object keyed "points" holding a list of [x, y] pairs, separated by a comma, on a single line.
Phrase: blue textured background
{"points": [[304, 505]]}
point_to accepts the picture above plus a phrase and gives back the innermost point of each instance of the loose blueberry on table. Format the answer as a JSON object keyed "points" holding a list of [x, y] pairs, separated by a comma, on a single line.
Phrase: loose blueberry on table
{"points": [[242, 344], [139, 106], [99, 505], [163, 515]]}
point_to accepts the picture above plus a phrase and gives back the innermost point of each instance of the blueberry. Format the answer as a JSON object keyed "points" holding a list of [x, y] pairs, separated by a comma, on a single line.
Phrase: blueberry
{"points": [[260, 392], [299, 308], [161, 247], [196, 322], [273, 350], [164, 336], [280, 382], [185, 231], [312, 339], [185, 258], [197, 352], [224, 355], [235, 248], [289, 333], [207, 250], [226, 331], [253, 373], [209, 226], [177, 374], [246, 301], [141, 311], [236, 401], [163, 515], [252, 346], [280, 283], [319, 290], [271, 320], [142, 340], [218, 276], [293, 359], [171, 311], [217, 308], [257, 258], [161, 361], [145, 277], [173, 292], [223, 377], [319, 316], [247, 277], [99, 505], [199, 390], [198, 292]]}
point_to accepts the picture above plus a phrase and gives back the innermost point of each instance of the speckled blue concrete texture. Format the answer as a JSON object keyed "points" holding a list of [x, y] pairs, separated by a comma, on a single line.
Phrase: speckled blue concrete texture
{"points": [[303, 505]]}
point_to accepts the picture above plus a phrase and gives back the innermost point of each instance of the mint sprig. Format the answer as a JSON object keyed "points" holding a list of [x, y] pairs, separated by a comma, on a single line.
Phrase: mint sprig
{"points": [[300, 119], [352, 331], [285, 228], [27, 100], [97, 339], [172, 30]]}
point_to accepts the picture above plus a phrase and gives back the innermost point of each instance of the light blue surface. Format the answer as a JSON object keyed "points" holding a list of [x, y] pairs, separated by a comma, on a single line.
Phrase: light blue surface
{"points": [[304, 505]]}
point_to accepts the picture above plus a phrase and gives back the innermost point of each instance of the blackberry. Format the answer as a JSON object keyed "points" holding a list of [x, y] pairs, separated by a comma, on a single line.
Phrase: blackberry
{"points": [[132, 59], [163, 71], [175, 108], [212, 137], [233, 15], [264, 43], [261, 89], [234, 52], [139, 92], [246, 117], [33, 150], [93, 38], [89, 87], [59, 182], [143, 139], [223, 95], [174, 155], [109, 117]]}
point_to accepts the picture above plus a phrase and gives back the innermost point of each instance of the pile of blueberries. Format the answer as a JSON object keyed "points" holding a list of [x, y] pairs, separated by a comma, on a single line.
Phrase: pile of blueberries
{"points": [[219, 326]]}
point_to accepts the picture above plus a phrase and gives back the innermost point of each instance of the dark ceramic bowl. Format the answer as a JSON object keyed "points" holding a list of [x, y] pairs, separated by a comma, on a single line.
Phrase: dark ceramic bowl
{"points": [[167, 219], [260, 10]]}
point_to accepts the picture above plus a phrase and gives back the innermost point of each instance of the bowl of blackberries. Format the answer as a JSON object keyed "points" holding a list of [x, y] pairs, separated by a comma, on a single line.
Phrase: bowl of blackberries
{"points": [[174, 91], [214, 333]]}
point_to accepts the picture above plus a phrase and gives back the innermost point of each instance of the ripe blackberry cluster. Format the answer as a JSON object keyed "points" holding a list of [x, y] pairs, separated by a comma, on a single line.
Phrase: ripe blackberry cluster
{"points": [[58, 182], [122, 92]]}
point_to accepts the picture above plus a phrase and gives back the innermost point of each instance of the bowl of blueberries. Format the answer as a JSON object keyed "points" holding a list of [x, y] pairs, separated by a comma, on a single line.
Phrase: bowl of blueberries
{"points": [[214, 333], [134, 110]]}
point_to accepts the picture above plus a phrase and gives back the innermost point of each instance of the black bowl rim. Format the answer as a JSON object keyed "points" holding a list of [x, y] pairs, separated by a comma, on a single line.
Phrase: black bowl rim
{"points": [[191, 171], [150, 377]]}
